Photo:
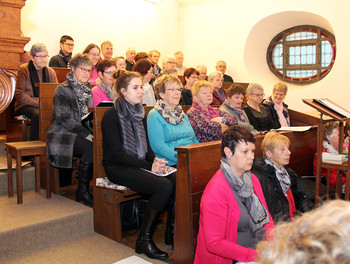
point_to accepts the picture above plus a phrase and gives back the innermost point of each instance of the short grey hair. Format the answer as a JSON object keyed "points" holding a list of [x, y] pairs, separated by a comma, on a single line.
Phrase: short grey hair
{"points": [[212, 75], [252, 87], [36, 48], [106, 43]]}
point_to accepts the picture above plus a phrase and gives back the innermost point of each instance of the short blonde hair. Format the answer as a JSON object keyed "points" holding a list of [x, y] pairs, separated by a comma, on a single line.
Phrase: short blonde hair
{"points": [[273, 140], [280, 87], [199, 84], [318, 236], [212, 75], [162, 81], [252, 87]]}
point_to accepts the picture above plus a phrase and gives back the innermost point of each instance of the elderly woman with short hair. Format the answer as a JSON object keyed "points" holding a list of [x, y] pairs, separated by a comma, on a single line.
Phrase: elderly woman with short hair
{"points": [[119, 62], [216, 78], [208, 123], [26, 94], [67, 137], [167, 124], [233, 106], [285, 193], [259, 116], [278, 109]]}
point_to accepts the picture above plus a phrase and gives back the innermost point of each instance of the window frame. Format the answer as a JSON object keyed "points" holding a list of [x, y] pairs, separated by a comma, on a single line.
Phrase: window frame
{"points": [[322, 71]]}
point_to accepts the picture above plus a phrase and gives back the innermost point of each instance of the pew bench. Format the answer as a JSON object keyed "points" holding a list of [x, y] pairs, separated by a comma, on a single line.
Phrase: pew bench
{"points": [[107, 196]]}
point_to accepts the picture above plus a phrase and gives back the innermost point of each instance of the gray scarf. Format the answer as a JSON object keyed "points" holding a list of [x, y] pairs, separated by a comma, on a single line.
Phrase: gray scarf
{"points": [[244, 188], [108, 90], [282, 176], [133, 131]]}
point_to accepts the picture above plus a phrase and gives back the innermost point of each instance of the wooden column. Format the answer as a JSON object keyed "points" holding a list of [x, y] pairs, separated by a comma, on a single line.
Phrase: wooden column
{"points": [[11, 46]]}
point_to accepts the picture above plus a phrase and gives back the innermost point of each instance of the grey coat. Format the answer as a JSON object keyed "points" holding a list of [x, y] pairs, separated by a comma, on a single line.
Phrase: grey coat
{"points": [[225, 107], [65, 126]]}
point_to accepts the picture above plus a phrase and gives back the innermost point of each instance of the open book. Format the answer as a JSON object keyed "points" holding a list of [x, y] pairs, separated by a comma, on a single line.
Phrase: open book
{"points": [[167, 171], [331, 106]]}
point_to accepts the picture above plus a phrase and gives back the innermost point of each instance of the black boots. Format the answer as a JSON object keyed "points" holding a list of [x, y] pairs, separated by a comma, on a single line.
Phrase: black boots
{"points": [[84, 175], [170, 224], [144, 242]]}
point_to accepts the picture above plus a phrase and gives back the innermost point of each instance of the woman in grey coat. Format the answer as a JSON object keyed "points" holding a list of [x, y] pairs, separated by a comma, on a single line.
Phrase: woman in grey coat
{"points": [[67, 137], [233, 106]]}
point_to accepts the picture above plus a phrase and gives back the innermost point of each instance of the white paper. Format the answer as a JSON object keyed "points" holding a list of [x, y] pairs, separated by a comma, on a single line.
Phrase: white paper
{"points": [[335, 108], [167, 171], [132, 260], [295, 128]]}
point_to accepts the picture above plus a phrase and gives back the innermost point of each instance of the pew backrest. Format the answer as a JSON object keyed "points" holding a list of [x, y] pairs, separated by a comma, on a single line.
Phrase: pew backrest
{"points": [[61, 73]]}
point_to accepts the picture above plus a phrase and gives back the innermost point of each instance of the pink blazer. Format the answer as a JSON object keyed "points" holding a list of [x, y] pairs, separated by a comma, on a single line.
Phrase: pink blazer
{"points": [[218, 223]]}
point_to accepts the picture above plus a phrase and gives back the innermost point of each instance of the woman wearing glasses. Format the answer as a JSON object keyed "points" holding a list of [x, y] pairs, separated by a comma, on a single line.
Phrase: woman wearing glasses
{"points": [[259, 116], [168, 125], [208, 123], [104, 91], [26, 94], [191, 75], [94, 53], [233, 212], [67, 137], [128, 159], [284, 191]]}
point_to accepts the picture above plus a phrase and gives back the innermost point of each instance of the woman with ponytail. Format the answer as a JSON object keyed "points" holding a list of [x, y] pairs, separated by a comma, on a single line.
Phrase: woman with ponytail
{"points": [[129, 160]]}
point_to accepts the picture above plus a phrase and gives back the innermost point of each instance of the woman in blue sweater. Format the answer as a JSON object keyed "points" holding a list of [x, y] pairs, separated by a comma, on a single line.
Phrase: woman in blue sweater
{"points": [[167, 124]]}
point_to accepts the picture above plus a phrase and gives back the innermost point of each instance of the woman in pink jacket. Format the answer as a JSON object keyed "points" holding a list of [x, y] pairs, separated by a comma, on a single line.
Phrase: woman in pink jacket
{"points": [[233, 212]]}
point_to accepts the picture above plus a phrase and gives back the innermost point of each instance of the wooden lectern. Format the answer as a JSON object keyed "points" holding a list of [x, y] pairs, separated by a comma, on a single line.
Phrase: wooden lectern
{"points": [[339, 116]]}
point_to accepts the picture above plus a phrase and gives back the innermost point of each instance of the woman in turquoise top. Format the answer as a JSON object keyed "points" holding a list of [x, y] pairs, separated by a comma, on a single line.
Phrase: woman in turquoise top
{"points": [[168, 126]]}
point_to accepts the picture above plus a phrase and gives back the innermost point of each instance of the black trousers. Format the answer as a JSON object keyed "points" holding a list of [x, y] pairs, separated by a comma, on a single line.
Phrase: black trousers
{"points": [[32, 113], [83, 149], [160, 189]]}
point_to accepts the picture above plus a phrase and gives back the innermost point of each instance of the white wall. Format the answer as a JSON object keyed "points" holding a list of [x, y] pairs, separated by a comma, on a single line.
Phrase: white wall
{"points": [[127, 23], [240, 32]]}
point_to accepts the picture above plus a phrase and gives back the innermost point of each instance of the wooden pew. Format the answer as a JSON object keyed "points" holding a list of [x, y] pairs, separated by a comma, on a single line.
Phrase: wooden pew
{"points": [[61, 73], [46, 93], [198, 163]]}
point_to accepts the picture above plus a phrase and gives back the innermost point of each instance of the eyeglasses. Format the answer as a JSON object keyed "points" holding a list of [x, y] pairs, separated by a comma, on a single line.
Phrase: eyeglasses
{"points": [[42, 57], [109, 72], [85, 70], [259, 95], [69, 45], [174, 89]]}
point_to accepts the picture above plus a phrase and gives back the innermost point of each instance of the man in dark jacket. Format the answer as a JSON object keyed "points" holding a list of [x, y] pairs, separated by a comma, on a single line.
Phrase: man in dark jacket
{"points": [[62, 60]]}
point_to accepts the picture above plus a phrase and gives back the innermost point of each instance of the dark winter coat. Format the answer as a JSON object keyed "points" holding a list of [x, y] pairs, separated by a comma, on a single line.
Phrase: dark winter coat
{"points": [[277, 202]]}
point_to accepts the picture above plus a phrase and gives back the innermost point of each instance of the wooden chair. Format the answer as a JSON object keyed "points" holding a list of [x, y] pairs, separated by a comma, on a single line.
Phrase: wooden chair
{"points": [[16, 130], [107, 201], [18, 150]]}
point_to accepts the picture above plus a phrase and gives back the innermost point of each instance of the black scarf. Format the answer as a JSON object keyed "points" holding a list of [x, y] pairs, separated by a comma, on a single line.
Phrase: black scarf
{"points": [[34, 78], [133, 131], [65, 58]]}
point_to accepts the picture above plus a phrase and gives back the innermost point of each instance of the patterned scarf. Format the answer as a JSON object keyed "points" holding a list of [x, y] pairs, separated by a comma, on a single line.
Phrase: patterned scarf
{"points": [[238, 112], [244, 188], [174, 117], [65, 58], [133, 131], [108, 90], [330, 148], [82, 92], [282, 176], [211, 113]]}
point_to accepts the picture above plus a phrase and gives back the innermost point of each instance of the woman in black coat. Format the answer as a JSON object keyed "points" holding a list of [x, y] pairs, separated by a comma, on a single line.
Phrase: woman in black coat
{"points": [[284, 191], [129, 160]]}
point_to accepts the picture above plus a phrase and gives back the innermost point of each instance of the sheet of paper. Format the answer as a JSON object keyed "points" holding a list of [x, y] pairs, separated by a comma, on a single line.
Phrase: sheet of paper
{"points": [[132, 260], [295, 128]]}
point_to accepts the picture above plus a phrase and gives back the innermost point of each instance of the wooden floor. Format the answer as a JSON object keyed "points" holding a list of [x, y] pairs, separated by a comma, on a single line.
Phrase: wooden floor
{"points": [[129, 237]]}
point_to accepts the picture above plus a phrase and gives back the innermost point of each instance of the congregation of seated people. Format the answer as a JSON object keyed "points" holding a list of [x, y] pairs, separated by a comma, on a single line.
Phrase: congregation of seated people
{"points": [[136, 146]]}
